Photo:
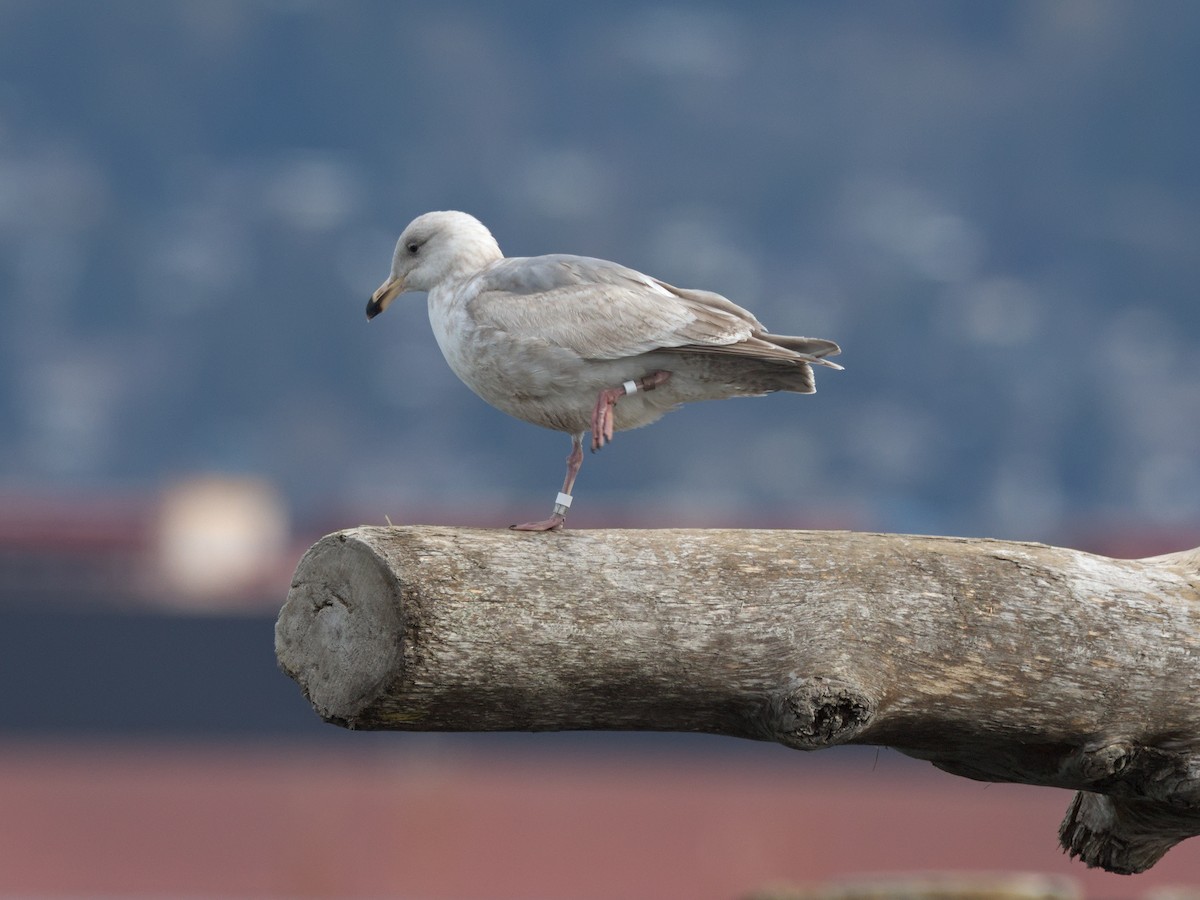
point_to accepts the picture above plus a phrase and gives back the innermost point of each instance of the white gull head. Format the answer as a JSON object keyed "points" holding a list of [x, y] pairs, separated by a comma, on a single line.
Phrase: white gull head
{"points": [[435, 248]]}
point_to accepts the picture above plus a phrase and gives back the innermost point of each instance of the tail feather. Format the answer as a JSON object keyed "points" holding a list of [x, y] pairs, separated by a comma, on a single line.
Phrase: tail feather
{"points": [[816, 349], [784, 360]]}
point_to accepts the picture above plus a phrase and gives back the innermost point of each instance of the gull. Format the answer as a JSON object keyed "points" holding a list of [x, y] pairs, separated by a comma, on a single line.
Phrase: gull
{"points": [[577, 344]]}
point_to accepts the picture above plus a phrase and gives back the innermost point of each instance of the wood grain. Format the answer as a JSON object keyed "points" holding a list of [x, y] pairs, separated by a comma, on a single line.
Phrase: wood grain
{"points": [[995, 660]]}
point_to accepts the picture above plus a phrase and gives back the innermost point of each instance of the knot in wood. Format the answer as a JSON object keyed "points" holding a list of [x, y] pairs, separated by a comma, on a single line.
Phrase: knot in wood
{"points": [[1104, 762], [817, 712], [1131, 770]]}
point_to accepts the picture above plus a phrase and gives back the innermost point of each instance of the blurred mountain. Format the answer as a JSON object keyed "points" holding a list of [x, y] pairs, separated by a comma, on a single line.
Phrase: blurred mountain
{"points": [[994, 208]]}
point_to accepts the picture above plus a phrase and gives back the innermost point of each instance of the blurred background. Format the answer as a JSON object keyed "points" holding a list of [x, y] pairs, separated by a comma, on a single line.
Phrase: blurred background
{"points": [[994, 208]]}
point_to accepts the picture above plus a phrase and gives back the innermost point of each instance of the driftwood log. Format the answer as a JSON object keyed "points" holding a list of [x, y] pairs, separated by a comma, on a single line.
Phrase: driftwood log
{"points": [[995, 660]]}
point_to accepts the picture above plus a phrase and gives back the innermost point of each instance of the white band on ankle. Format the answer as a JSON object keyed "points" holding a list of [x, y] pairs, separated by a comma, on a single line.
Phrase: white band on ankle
{"points": [[630, 387], [563, 500]]}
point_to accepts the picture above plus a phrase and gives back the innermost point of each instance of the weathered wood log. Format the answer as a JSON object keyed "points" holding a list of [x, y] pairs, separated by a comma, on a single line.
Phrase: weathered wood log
{"points": [[995, 660]]}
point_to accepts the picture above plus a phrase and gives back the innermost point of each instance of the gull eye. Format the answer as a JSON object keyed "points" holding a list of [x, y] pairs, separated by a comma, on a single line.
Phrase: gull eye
{"points": [[413, 247]]}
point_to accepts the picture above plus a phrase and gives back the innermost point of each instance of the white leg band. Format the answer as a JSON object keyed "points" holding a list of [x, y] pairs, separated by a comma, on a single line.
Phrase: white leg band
{"points": [[630, 387], [562, 503]]}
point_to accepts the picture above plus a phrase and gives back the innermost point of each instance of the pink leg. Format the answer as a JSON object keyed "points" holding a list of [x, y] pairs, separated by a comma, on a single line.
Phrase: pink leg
{"points": [[602, 414], [556, 521]]}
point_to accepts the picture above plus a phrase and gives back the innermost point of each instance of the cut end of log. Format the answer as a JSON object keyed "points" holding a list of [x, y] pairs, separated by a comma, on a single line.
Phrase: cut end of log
{"points": [[339, 635]]}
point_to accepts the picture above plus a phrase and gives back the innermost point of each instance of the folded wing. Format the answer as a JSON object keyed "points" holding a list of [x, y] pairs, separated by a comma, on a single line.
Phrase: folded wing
{"points": [[603, 310]]}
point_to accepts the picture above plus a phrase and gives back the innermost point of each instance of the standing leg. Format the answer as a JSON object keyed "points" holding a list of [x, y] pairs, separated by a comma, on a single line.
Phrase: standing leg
{"points": [[563, 503]]}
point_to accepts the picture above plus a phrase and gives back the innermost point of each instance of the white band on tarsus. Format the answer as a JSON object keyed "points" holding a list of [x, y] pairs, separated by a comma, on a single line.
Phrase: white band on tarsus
{"points": [[630, 387], [562, 503]]}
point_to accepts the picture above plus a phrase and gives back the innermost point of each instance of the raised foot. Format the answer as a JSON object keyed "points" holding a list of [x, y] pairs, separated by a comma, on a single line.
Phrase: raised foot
{"points": [[554, 523], [602, 413]]}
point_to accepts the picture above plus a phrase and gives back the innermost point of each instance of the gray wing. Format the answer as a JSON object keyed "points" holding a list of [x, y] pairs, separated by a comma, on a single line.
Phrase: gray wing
{"points": [[603, 310]]}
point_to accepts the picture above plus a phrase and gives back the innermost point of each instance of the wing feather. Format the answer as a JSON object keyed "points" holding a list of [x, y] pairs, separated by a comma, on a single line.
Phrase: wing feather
{"points": [[602, 310]]}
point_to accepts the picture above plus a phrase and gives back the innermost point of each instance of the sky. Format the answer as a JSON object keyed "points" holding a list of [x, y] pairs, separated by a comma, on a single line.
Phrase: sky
{"points": [[993, 208]]}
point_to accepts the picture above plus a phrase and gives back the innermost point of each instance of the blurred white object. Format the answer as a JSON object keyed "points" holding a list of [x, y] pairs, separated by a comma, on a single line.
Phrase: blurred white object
{"points": [[219, 538]]}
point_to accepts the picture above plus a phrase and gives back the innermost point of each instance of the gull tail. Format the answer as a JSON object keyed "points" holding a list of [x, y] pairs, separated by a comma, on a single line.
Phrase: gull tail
{"points": [[814, 348]]}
